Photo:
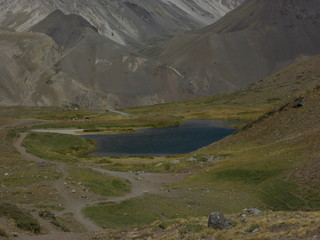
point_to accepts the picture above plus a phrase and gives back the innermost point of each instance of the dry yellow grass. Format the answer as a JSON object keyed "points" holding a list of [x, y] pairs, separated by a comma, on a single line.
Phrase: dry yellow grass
{"points": [[267, 225]]}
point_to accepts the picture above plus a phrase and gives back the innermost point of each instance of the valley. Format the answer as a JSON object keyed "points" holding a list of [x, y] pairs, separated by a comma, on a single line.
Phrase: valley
{"points": [[259, 166], [90, 91]]}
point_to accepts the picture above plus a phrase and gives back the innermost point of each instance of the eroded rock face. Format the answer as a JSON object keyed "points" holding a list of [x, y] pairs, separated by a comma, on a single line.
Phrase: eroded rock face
{"points": [[90, 58], [218, 221], [68, 62], [128, 22]]}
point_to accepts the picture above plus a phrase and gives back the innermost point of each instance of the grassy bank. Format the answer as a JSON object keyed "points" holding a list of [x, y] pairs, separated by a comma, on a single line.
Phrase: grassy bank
{"points": [[58, 147], [99, 183]]}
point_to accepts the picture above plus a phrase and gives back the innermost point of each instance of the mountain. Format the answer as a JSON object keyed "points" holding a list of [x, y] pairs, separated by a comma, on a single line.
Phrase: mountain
{"points": [[251, 42], [128, 22], [81, 52], [69, 62]]}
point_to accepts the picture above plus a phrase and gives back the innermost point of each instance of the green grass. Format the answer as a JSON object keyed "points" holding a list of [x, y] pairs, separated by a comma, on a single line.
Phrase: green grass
{"points": [[191, 228], [124, 125], [100, 183], [58, 147], [27, 174], [245, 176], [149, 208], [23, 219], [130, 213], [258, 171], [13, 133]]}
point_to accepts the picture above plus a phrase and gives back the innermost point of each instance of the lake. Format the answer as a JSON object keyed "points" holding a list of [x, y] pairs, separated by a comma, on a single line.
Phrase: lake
{"points": [[185, 138]]}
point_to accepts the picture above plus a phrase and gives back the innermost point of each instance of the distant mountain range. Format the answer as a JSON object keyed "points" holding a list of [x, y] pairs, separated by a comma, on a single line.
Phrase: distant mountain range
{"points": [[117, 53], [127, 22]]}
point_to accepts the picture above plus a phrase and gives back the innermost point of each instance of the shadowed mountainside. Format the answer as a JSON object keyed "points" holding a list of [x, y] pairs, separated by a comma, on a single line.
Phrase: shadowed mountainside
{"points": [[248, 44]]}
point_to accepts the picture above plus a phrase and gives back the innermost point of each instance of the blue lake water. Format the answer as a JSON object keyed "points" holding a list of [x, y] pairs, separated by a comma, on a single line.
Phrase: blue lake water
{"points": [[185, 138]]}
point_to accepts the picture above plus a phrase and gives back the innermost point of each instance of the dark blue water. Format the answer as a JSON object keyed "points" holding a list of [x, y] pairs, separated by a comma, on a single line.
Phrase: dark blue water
{"points": [[185, 138]]}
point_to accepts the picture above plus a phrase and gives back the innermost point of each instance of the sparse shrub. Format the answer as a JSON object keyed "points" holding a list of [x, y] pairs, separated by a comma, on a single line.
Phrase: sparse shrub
{"points": [[167, 167], [103, 161], [22, 218], [53, 220], [3, 233], [13, 133], [164, 225], [191, 228]]}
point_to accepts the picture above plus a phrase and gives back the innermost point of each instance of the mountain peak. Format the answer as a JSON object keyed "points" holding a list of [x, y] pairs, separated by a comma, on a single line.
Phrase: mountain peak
{"points": [[64, 29]]}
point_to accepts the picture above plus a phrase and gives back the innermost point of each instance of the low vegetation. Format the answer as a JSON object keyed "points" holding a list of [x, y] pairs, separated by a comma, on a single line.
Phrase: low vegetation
{"points": [[130, 213], [22, 219], [58, 147], [268, 225], [100, 183], [144, 210], [3, 233]]}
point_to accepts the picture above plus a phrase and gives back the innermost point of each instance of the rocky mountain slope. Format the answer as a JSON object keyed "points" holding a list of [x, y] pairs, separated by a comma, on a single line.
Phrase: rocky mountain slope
{"points": [[76, 64], [248, 44], [79, 66], [124, 21]]}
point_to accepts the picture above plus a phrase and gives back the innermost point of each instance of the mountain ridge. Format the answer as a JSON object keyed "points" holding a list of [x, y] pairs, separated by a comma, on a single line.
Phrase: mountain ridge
{"points": [[128, 22], [246, 45]]}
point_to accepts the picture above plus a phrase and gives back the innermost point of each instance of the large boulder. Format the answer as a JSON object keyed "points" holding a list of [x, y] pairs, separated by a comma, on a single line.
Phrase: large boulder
{"points": [[218, 221]]}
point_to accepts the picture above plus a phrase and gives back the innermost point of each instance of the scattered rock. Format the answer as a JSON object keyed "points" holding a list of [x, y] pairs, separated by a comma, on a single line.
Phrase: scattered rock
{"points": [[252, 211], [218, 221], [298, 103], [175, 161], [73, 191], [41, 163], [255, 230], [192, 159], [15, 234], [138, 173], [213, 159]]}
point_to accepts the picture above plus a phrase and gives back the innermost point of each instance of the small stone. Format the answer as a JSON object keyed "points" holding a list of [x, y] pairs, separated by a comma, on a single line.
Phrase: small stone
{"points": [[192, 159], [175, 162], [73, 191], [159, 164], [252, 211], [6, 174], [255, 230], [15, 234]]}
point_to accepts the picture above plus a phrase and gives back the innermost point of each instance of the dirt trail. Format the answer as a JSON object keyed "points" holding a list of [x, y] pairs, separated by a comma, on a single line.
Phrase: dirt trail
{"points": [[71, 203], [140, 183]]}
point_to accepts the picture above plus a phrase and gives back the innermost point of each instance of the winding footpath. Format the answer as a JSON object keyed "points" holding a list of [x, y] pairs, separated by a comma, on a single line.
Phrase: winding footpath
{"points": [[140, 183]]}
